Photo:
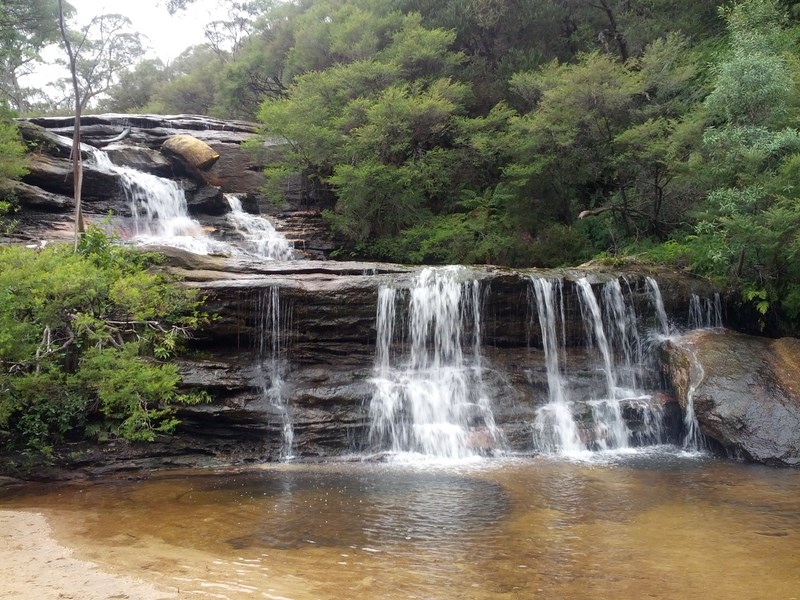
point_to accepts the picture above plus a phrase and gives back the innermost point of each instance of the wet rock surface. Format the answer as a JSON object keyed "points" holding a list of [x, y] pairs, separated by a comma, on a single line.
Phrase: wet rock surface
{"points": [[331, 309], [331, 335], [46, 191], [746, 393]]}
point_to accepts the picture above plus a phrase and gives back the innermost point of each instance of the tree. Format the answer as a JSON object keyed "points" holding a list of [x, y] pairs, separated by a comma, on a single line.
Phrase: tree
{"points": [[136, 87], [226, 36], [192, 83], [377, 131], [26, 26], [96, 55], [750, 230]]}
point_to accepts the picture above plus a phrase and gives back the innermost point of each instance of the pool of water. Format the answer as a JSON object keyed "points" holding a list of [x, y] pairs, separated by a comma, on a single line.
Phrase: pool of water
{"points": [[644, 525]]}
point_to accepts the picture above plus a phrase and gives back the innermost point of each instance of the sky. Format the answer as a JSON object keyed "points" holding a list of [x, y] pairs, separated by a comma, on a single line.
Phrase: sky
{"points": [[167, 35]]}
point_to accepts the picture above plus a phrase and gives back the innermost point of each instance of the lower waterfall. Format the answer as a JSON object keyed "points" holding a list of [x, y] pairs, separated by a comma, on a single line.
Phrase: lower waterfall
{"points": [[604, 393], [274, 326], [616, 351], [429, 394]]}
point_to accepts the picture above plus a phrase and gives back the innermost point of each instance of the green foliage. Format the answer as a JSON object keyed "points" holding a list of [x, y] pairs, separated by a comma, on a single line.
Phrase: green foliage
{"points": [[80, 338], [26, 27], [750, 224], [521, 133], [12, 150], [12, 166]]}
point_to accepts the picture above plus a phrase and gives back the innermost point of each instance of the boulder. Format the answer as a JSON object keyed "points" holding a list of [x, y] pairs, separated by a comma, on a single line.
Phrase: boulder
{"points": [[192, 151], [140, 158], [238, 169], [207, 200], [52, 174], [48, 142], [745, 391], [32, 197]]}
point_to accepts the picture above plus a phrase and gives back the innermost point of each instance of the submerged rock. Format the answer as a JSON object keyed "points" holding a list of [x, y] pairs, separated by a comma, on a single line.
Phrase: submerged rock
{"points": [[746, 393]]}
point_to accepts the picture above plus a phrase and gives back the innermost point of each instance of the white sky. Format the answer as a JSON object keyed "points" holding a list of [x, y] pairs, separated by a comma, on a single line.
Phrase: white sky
{"points": [[167, 35]]}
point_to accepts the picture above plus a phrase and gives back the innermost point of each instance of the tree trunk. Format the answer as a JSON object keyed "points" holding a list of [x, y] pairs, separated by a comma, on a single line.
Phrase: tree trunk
{"points": [[618, 36], [77, 164]]}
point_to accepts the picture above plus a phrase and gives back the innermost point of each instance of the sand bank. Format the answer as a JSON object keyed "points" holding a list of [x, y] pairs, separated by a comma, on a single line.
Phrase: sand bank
{"points": [[33, 565]]}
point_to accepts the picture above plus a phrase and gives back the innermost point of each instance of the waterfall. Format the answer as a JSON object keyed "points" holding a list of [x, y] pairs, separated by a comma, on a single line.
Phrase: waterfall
{"points": [[161, 216], [624, 342], [555, 428], [658, 304], [274, 326], [595, 332], [611, 430], [693, 438], [618, 350], [705, 313], [159, 209], [259, 235], [429, 396]]}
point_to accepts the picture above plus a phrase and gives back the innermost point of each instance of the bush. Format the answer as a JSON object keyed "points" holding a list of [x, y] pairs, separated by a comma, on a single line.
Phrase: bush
{"points": [[81, 336]]}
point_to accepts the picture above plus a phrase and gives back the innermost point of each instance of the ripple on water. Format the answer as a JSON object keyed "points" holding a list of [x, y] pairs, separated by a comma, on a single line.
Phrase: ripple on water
{"points": [[641, 525]]}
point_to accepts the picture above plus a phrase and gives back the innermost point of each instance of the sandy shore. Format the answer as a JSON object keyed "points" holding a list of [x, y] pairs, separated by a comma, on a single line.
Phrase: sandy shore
{"points": [[33, 565]]}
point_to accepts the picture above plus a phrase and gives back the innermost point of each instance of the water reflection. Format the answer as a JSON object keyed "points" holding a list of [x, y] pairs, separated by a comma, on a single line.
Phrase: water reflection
{"points": [[665, 526]]}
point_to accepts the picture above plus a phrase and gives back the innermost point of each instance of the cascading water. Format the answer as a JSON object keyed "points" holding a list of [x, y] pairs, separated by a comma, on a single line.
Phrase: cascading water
{"points": [[259, 236], [693, 438], [658, 304], [617, 351], [159, 209], [624, 342], [161, 216], [555, 428], [705, 313], [431, 399], [274, 325], [610, 428]]}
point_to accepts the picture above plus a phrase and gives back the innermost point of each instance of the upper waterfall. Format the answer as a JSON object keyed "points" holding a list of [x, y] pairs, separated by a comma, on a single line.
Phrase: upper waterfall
{"points": [[160, 215]]}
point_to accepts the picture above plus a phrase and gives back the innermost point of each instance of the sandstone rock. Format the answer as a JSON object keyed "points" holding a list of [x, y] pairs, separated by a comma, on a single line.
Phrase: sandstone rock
{"points": [[207, 200], [140, 158], [32, 197], [746, 391], [191, 150], [238, 169], [46, 141], [100, 191]]}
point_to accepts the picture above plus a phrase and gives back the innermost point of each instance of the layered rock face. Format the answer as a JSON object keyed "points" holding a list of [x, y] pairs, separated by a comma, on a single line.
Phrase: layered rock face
{"points": [[745, 391], [330, 336], [45, 193], [306, 357]]}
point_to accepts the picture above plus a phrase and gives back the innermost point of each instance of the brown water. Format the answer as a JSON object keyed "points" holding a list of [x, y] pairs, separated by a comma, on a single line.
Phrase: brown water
{"points": [[658, 526]]}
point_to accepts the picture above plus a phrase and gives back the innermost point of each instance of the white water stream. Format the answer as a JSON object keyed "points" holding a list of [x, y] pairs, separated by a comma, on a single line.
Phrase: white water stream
{"points": [[555, 429], [275, 323], [429, 397], [259, 236], [161, 217]]}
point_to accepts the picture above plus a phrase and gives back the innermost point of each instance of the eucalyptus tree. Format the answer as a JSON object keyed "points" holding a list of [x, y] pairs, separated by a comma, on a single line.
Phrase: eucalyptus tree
{"points": [[26, 27], [96, 55]]}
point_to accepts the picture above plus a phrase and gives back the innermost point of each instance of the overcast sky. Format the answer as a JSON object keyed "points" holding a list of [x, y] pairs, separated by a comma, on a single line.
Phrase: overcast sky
{"points": [[167, 35]]}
